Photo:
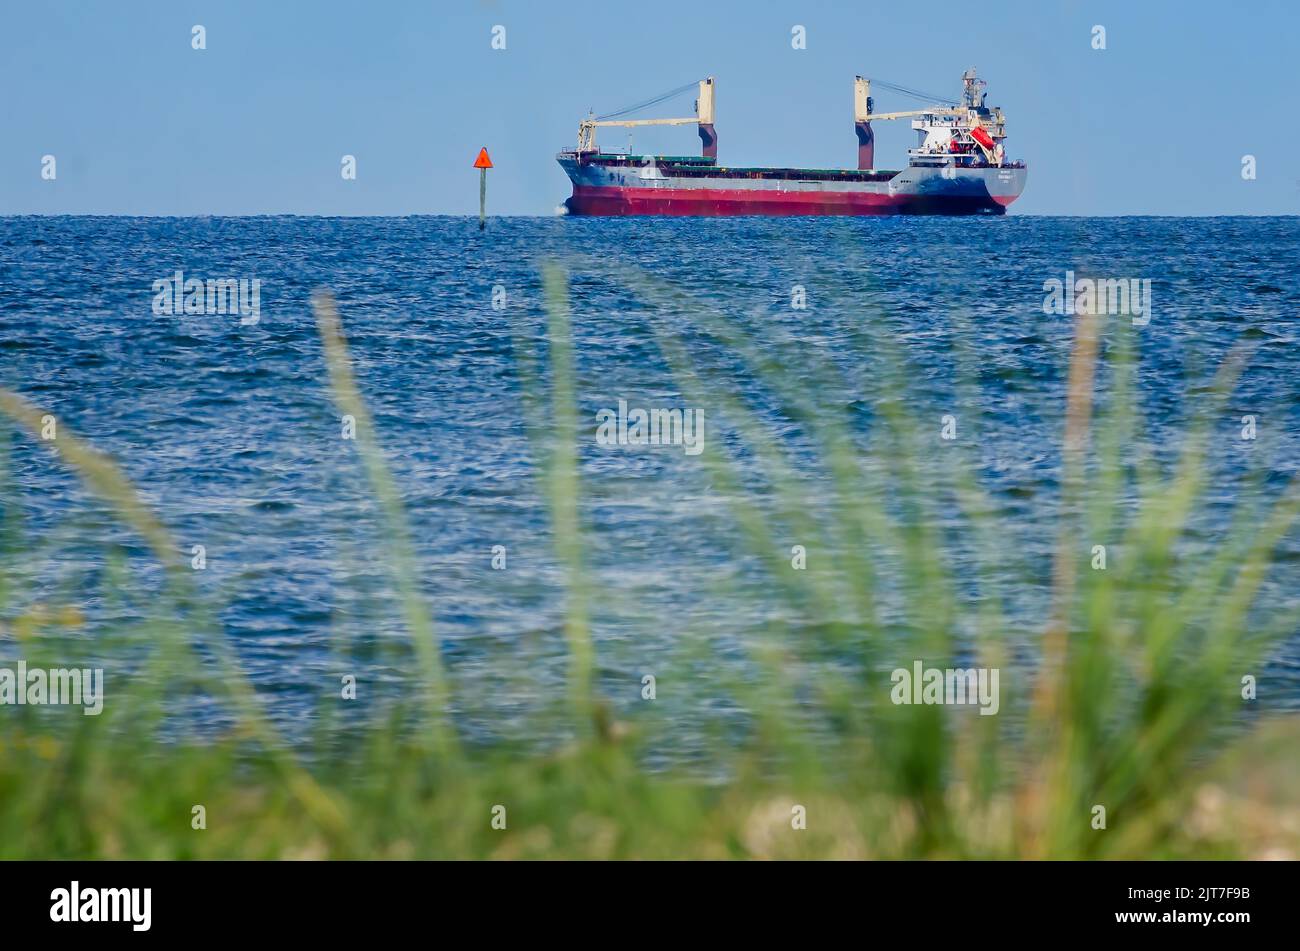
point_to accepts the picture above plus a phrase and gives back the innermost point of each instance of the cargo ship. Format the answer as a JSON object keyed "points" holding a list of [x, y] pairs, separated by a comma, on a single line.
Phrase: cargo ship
{"points": [[958, 167]]}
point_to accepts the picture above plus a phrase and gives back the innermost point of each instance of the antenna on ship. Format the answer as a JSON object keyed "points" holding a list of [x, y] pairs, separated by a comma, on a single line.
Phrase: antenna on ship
{"points": [[972, 89]]}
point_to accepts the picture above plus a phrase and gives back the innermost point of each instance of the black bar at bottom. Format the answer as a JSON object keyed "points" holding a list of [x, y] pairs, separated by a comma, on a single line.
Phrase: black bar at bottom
{"points": [[335, 900]]}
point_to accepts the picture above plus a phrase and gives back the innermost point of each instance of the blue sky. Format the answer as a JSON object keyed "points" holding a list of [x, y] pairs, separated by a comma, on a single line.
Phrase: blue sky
{"points": [[257, 123]]}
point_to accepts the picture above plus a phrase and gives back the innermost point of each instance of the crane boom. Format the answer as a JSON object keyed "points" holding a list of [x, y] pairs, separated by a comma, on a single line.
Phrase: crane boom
{"points": [[587, 128], [703, 117], [932, 111], [631, 122]]}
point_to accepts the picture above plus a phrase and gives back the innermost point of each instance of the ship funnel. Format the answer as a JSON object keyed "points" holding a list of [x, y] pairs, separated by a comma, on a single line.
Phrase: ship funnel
{"points": [[704, 111], [862, 122]]}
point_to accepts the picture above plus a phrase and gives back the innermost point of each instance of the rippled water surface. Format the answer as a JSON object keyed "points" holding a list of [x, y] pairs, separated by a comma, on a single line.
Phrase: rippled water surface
{"points": [[229, 430]]}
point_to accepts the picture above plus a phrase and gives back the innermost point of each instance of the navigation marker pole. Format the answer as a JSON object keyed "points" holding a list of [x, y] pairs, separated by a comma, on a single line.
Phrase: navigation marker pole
{"points": [[482, 163]]}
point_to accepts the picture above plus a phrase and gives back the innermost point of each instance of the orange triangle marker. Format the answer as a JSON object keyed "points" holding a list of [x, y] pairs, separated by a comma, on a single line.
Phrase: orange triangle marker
{"points": [[482, 161]]}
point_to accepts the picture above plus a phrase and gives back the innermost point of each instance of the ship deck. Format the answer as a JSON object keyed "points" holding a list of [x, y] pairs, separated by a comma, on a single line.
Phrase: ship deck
{"points": [[695, 166]]}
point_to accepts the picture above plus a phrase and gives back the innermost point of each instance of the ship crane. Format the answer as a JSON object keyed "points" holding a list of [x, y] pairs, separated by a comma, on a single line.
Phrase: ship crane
{"points": [[703, 118], [985, 128]]}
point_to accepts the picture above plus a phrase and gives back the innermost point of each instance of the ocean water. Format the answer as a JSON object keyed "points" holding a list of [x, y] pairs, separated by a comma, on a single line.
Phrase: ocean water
{"points": [[228, 431]]}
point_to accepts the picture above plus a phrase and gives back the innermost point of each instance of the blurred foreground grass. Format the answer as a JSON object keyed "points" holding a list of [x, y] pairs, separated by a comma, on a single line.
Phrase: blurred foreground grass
{"points": [[1131, 701]]}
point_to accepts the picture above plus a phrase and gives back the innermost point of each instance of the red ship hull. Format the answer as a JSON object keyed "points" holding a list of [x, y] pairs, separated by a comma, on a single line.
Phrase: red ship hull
{"points": [[714, 202]]}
